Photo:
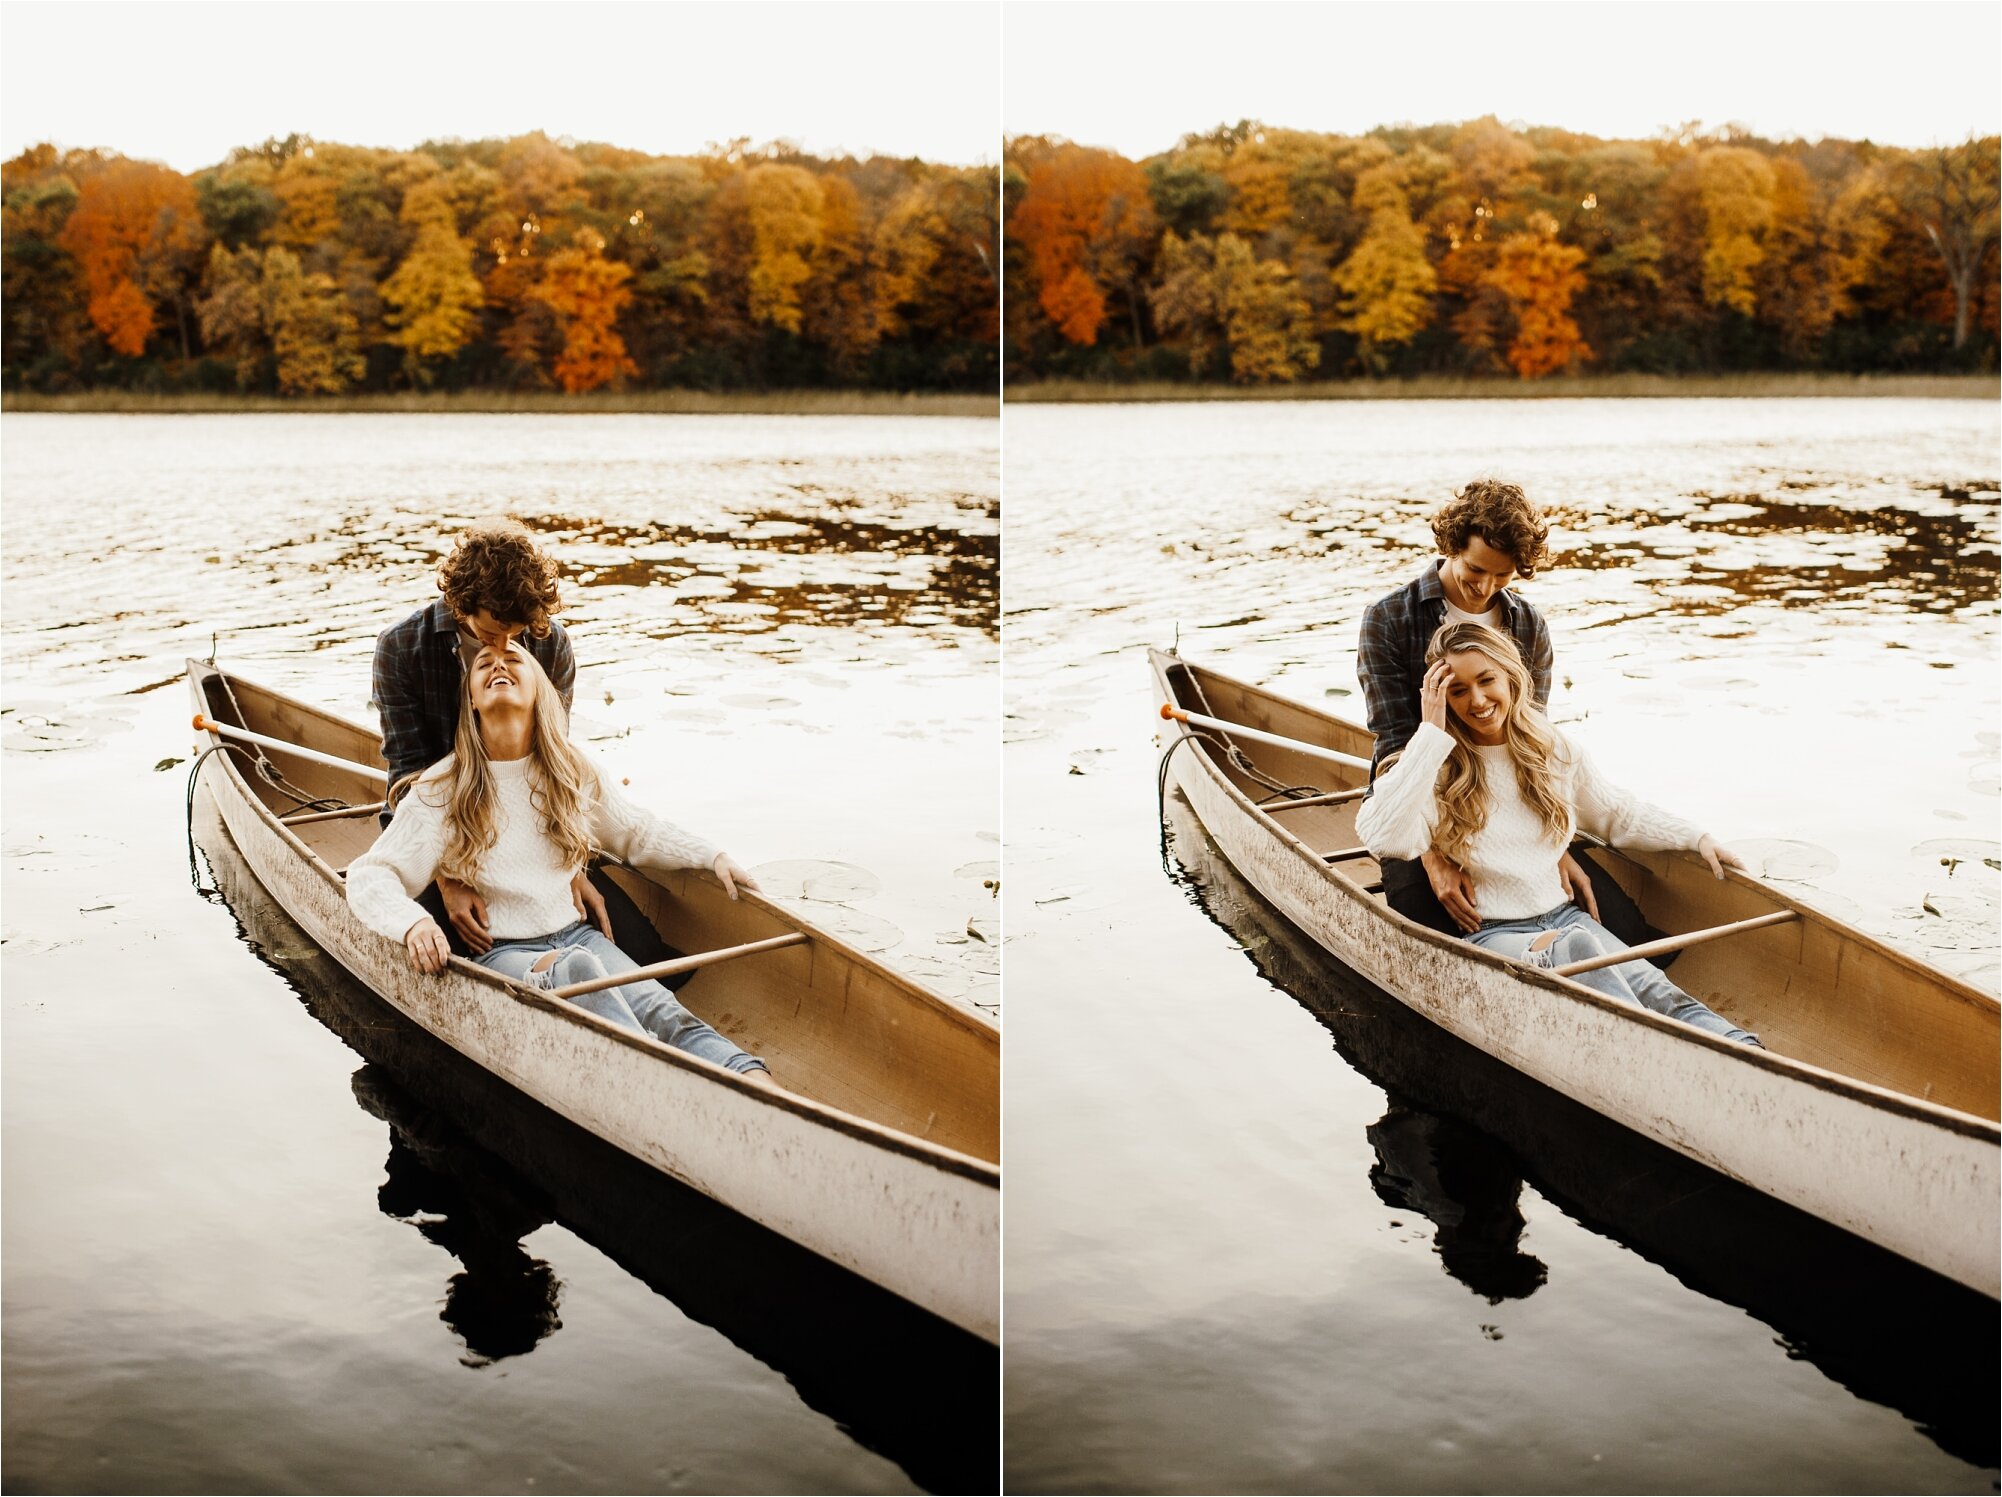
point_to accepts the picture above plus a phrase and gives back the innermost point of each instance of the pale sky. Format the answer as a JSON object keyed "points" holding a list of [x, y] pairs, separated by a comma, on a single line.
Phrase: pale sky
{"points": [[184, 82], [1136, 77]]}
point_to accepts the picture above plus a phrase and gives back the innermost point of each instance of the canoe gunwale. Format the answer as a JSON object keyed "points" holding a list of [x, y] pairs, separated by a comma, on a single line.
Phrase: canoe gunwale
{"points": [[1966, 1124], [937, 1156]]}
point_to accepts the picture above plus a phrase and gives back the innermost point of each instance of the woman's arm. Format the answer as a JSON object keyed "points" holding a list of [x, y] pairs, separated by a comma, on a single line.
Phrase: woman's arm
{"points": [[1402, 811], [635, 835], [404, 859], [1625, 820]]}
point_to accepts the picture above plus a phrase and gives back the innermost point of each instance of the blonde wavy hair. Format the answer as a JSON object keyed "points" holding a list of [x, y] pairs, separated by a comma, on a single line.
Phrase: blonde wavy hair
{"points": [[562, 786], [1533, 747]]}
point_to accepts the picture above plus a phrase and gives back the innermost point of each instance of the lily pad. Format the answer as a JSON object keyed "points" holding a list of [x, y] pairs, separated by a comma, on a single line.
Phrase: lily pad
{"points": [[810, 878], [1780, 858]]}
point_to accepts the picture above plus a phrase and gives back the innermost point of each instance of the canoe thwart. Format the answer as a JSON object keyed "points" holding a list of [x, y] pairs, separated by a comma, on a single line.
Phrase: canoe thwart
{"points": [[1333, 798], [680, 964], [1171, 713], [1675, 943], [346, 811]]}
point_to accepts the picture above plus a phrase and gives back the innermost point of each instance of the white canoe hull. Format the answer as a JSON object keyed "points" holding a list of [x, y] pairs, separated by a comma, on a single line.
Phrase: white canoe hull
{"points": [[922, 1222], [1921, 1181]]}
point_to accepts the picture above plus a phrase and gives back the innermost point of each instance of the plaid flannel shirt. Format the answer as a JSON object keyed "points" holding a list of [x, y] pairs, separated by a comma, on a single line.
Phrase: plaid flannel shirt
{"points": [[1390, 658], [415, 684]]}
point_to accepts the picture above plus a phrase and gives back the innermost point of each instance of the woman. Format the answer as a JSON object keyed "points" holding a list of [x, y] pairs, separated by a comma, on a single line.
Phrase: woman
{"points": [[1489, 783], [514, 811]]}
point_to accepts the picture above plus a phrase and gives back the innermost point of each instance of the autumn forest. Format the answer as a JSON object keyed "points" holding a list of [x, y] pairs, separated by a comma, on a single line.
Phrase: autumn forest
{"points": [[1259, 255], [304, 267], [1247, 254]]}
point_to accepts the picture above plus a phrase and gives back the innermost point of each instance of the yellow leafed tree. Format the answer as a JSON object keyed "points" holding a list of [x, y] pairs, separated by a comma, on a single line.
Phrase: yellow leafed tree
{"points": [[313, 331], [1387, 283], [434, 298], [784, 206], [1735, 186]]}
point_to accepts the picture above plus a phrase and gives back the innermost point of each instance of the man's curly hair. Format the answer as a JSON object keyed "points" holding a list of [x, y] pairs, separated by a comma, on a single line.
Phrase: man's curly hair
{"points": [[497, 568], [1500, 514]]}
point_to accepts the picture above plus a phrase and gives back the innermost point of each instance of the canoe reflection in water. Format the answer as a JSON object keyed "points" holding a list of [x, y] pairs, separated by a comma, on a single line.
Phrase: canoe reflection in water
{"points": [[476, 1167], [1463, 1132]]}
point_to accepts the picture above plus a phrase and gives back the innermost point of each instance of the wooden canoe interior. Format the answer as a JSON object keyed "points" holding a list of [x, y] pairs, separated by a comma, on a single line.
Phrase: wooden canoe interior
{"points": [[832, 1027], [1813, 989]]}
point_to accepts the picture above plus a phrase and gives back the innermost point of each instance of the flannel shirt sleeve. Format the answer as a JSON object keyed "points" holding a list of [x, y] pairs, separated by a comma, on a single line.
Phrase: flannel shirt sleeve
{"points": [[1390, 699], [562, 664], [1541, 658], [399, 697]]}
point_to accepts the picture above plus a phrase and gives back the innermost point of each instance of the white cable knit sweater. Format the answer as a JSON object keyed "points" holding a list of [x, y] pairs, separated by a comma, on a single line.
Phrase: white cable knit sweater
{"points": [[1512, 860], [525, 886]]}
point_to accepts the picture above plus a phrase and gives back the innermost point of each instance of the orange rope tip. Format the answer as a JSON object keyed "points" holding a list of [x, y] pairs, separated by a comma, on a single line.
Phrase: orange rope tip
{"points": [[1168, 712], [201, 723]]}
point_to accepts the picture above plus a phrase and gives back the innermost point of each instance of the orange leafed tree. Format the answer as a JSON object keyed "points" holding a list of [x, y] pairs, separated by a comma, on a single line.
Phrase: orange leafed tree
{"points": [[1539, 277], [587, 292], [1085, 219], [133, 227]]}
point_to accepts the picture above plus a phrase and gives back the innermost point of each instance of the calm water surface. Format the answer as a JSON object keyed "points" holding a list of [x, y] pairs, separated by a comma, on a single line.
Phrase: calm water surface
{"points": [[261, 1235], [1265, 1231]]}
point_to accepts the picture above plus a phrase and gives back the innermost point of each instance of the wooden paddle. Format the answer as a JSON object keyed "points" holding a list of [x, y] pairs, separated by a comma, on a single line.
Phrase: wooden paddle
{"points": [[1171, 713], [679, 964], [210, 725]]}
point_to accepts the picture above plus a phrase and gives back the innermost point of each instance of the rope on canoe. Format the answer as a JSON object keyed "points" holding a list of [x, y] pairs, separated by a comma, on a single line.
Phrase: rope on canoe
{"points": [[1232, 754], [271, 775]]}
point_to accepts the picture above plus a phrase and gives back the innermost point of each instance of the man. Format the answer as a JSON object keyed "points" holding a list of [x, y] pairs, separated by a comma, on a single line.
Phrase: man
{"points": [[1488, 536], [495, 587]]}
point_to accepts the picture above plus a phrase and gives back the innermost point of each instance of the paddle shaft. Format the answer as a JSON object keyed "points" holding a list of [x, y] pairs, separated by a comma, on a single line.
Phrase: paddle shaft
{"points": [[1674, 943], [205, 724], [1257, 735], [678, 965]]}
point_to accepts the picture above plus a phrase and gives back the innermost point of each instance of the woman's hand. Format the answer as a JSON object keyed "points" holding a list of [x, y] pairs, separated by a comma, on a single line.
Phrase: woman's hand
{"points": [[1718, 856], [1432, 694], [1577, 883], [589, 903], [428, 948], [733, 876]]}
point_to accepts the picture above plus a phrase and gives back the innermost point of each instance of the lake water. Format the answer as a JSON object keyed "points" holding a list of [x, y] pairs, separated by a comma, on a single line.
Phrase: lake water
{"points": [[1265, 1232], [261, 1235]]}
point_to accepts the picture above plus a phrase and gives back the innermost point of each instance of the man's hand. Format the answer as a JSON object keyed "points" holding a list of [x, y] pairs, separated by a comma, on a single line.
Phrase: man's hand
{"points": [[1578, 884], [590, 903], [733, 876], [468, 914], [428, 948], [1454, 891]]}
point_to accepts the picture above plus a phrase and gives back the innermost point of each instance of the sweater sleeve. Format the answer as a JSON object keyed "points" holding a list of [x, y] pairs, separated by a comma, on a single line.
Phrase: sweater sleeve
{"points": [[403, 861], [635, 835], [1402, 811], [1621, 818]]}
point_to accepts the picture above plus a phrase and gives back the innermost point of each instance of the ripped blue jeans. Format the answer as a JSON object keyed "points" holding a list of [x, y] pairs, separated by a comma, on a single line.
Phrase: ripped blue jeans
{"points": [[583, 953], [1580, 937]]}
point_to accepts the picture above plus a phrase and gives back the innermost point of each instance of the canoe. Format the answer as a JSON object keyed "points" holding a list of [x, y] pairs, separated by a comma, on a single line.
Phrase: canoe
{"points": [[896, 1378], [1463, 1138], [1874, 1107], [882, 1154]]}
